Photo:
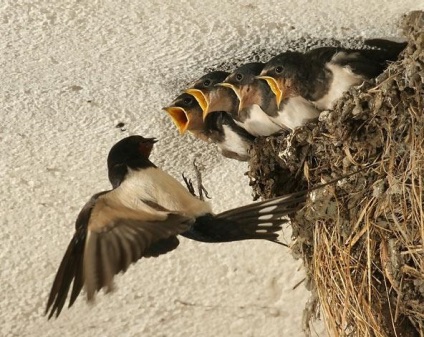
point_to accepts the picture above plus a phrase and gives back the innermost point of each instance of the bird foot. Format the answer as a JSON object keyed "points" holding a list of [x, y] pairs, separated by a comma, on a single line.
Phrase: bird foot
{"points": [[203, 193], [189, 185]]}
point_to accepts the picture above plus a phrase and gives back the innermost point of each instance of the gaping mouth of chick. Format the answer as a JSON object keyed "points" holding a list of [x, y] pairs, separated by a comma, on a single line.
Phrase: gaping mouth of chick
{"points": [[231, 86], [236, 90], [275, 88], [200, 98], [179, 117]]}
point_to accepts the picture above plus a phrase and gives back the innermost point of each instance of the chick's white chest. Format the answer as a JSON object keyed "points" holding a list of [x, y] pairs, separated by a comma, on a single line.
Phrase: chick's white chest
{"points": [[295, 112], [259, 123], [343, 79], [233, 142]]}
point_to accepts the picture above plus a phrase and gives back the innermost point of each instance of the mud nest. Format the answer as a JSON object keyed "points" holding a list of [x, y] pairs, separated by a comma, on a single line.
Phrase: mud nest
{"points": [[361, 239]]}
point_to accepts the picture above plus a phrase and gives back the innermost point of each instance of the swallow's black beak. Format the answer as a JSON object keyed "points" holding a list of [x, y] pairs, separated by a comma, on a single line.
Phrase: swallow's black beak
{"points": [[150, 140]]}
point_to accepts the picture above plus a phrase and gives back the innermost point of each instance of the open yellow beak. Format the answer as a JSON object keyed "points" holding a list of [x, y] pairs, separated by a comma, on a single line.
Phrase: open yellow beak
{"points": [[200, 98], [235, 89], [231, 86], [275, 87], [179, 117]]}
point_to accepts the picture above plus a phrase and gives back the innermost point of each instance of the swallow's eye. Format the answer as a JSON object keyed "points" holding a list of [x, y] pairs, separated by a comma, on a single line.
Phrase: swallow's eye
{"points": [[239, 77], [188, 100], [279, 69], [207, 83]]}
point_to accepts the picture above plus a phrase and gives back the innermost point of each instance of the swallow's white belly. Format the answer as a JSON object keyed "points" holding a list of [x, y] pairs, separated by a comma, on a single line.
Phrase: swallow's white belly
{"points": [[343, 79], [295, 112], [259, 123], [153, 184]]}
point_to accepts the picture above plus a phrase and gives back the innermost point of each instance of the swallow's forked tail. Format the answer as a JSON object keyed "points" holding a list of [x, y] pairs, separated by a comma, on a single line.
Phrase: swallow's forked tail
{"points": [[260, 220]]}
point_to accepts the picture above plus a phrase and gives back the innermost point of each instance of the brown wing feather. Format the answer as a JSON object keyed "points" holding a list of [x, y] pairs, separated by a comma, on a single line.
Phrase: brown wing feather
{"points": [[110, 239], [102, 259]]}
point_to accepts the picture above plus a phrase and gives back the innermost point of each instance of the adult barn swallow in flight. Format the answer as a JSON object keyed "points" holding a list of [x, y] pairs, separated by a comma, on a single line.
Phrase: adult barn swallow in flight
{"points": [[258, 111], [142, 215], [323, 74], [218, 127]]}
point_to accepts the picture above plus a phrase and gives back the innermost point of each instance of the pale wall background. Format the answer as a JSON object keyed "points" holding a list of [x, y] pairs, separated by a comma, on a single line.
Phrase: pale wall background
{"points": [[130, 58]]}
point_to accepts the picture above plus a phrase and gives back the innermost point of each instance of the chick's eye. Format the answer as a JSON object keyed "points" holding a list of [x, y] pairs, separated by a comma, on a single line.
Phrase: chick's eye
{"points": [[188, 100], [207, 83], [239, 77], [279, 69]]}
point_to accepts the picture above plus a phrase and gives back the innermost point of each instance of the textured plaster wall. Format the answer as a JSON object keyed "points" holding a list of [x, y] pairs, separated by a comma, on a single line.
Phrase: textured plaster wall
{"points": [[70, 71]]}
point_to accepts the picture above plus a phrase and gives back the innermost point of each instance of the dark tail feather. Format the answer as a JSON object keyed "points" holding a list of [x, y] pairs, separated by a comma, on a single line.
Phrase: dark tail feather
{"points": [[372, 62], [70, 269], [208, 228], [392, 48], [388, 51], [261, 220], [278, 206]]}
